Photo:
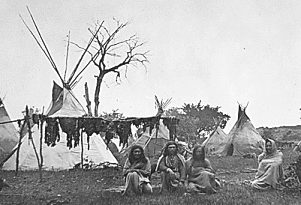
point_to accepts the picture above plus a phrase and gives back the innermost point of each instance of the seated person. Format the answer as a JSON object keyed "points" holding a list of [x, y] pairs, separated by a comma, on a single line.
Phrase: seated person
{"points": [[269, 172], [172, 167], [137, 170], [200, 174]]}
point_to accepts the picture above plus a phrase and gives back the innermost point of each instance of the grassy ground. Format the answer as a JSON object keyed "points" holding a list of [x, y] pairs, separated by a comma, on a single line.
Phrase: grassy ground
{"points": [[103, 187]]}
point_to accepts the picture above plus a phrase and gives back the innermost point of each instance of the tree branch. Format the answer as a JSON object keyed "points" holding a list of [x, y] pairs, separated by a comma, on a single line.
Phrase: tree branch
{"points": [[108, 47]]}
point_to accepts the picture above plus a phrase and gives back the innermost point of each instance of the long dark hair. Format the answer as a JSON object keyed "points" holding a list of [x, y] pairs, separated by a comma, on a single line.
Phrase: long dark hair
{"points": [[142, 156], [202, 157], [165, 149]]}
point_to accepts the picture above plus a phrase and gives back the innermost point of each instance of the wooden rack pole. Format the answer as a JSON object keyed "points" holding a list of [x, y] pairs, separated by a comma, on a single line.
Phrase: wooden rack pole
{"points": [[32, 142], [41, 149], [82, 149], [19, 146]]}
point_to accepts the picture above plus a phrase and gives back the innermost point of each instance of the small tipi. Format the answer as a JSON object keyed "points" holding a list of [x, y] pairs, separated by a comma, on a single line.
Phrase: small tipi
{"points": [[153, 140], [243, 137], [217, 142]]}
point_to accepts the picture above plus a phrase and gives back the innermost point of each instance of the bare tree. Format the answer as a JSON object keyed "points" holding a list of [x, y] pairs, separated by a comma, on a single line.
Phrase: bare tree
{"points": [[111, 53]]}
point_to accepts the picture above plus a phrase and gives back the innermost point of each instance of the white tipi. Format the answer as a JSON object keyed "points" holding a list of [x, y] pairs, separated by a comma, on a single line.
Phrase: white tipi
{"points": [[60, 157], [217, 142]]}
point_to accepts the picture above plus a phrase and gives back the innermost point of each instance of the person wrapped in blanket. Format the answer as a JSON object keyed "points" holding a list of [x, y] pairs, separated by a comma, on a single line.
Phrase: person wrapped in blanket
{"points": [[137, 169], [171, 165], [269, 173], [200, 174], [292, 173]]}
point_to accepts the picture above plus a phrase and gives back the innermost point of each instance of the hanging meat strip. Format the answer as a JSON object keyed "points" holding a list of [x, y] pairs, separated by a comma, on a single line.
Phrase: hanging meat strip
{"points": [[52, 134], [88, 126], [124, 132], [110, 129], [70, 127], [100, 126]]}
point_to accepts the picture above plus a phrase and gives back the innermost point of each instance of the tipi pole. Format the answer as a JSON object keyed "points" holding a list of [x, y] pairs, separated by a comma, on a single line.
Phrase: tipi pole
{"points": [[19, 145], [81, 58], [82, 149], [45, 46], [67, 56], [31, 139]]}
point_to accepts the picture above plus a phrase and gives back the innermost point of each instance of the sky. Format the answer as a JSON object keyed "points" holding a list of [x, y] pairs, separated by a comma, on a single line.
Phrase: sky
{"points": [[219, 52]]}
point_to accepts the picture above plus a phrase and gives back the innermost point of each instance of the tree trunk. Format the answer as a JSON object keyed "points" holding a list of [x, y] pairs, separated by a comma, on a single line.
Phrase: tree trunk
{"points": [[88, 99], [96, 94]]}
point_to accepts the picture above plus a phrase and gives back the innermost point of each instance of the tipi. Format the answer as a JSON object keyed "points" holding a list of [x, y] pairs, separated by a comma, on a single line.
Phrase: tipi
{"points": [[243, 137], [153, 140], [216, 143], [8, 133], [63, 105], [60, 157]]}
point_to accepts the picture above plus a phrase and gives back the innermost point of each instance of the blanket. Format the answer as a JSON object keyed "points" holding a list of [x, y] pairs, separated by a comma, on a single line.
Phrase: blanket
{"points": [[269, 172]]}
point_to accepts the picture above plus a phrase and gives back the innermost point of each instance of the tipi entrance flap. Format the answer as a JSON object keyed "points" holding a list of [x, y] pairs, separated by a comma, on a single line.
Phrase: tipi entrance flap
{"points": [[57, 99]]}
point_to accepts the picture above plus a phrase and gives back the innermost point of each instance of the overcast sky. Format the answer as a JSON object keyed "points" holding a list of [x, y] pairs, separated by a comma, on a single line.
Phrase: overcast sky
{"points": [[220, 52]]}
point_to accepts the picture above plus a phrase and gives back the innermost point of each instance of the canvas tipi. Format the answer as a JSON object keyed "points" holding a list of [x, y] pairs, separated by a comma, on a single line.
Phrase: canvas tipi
{"points": [[216, 143], [243, 137], [63, 105], [60, 157], [153, 141], [8, 133]]}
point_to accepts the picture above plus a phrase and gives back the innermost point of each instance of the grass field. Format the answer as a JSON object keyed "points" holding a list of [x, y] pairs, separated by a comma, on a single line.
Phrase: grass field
{"points": [[103, 187]]}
